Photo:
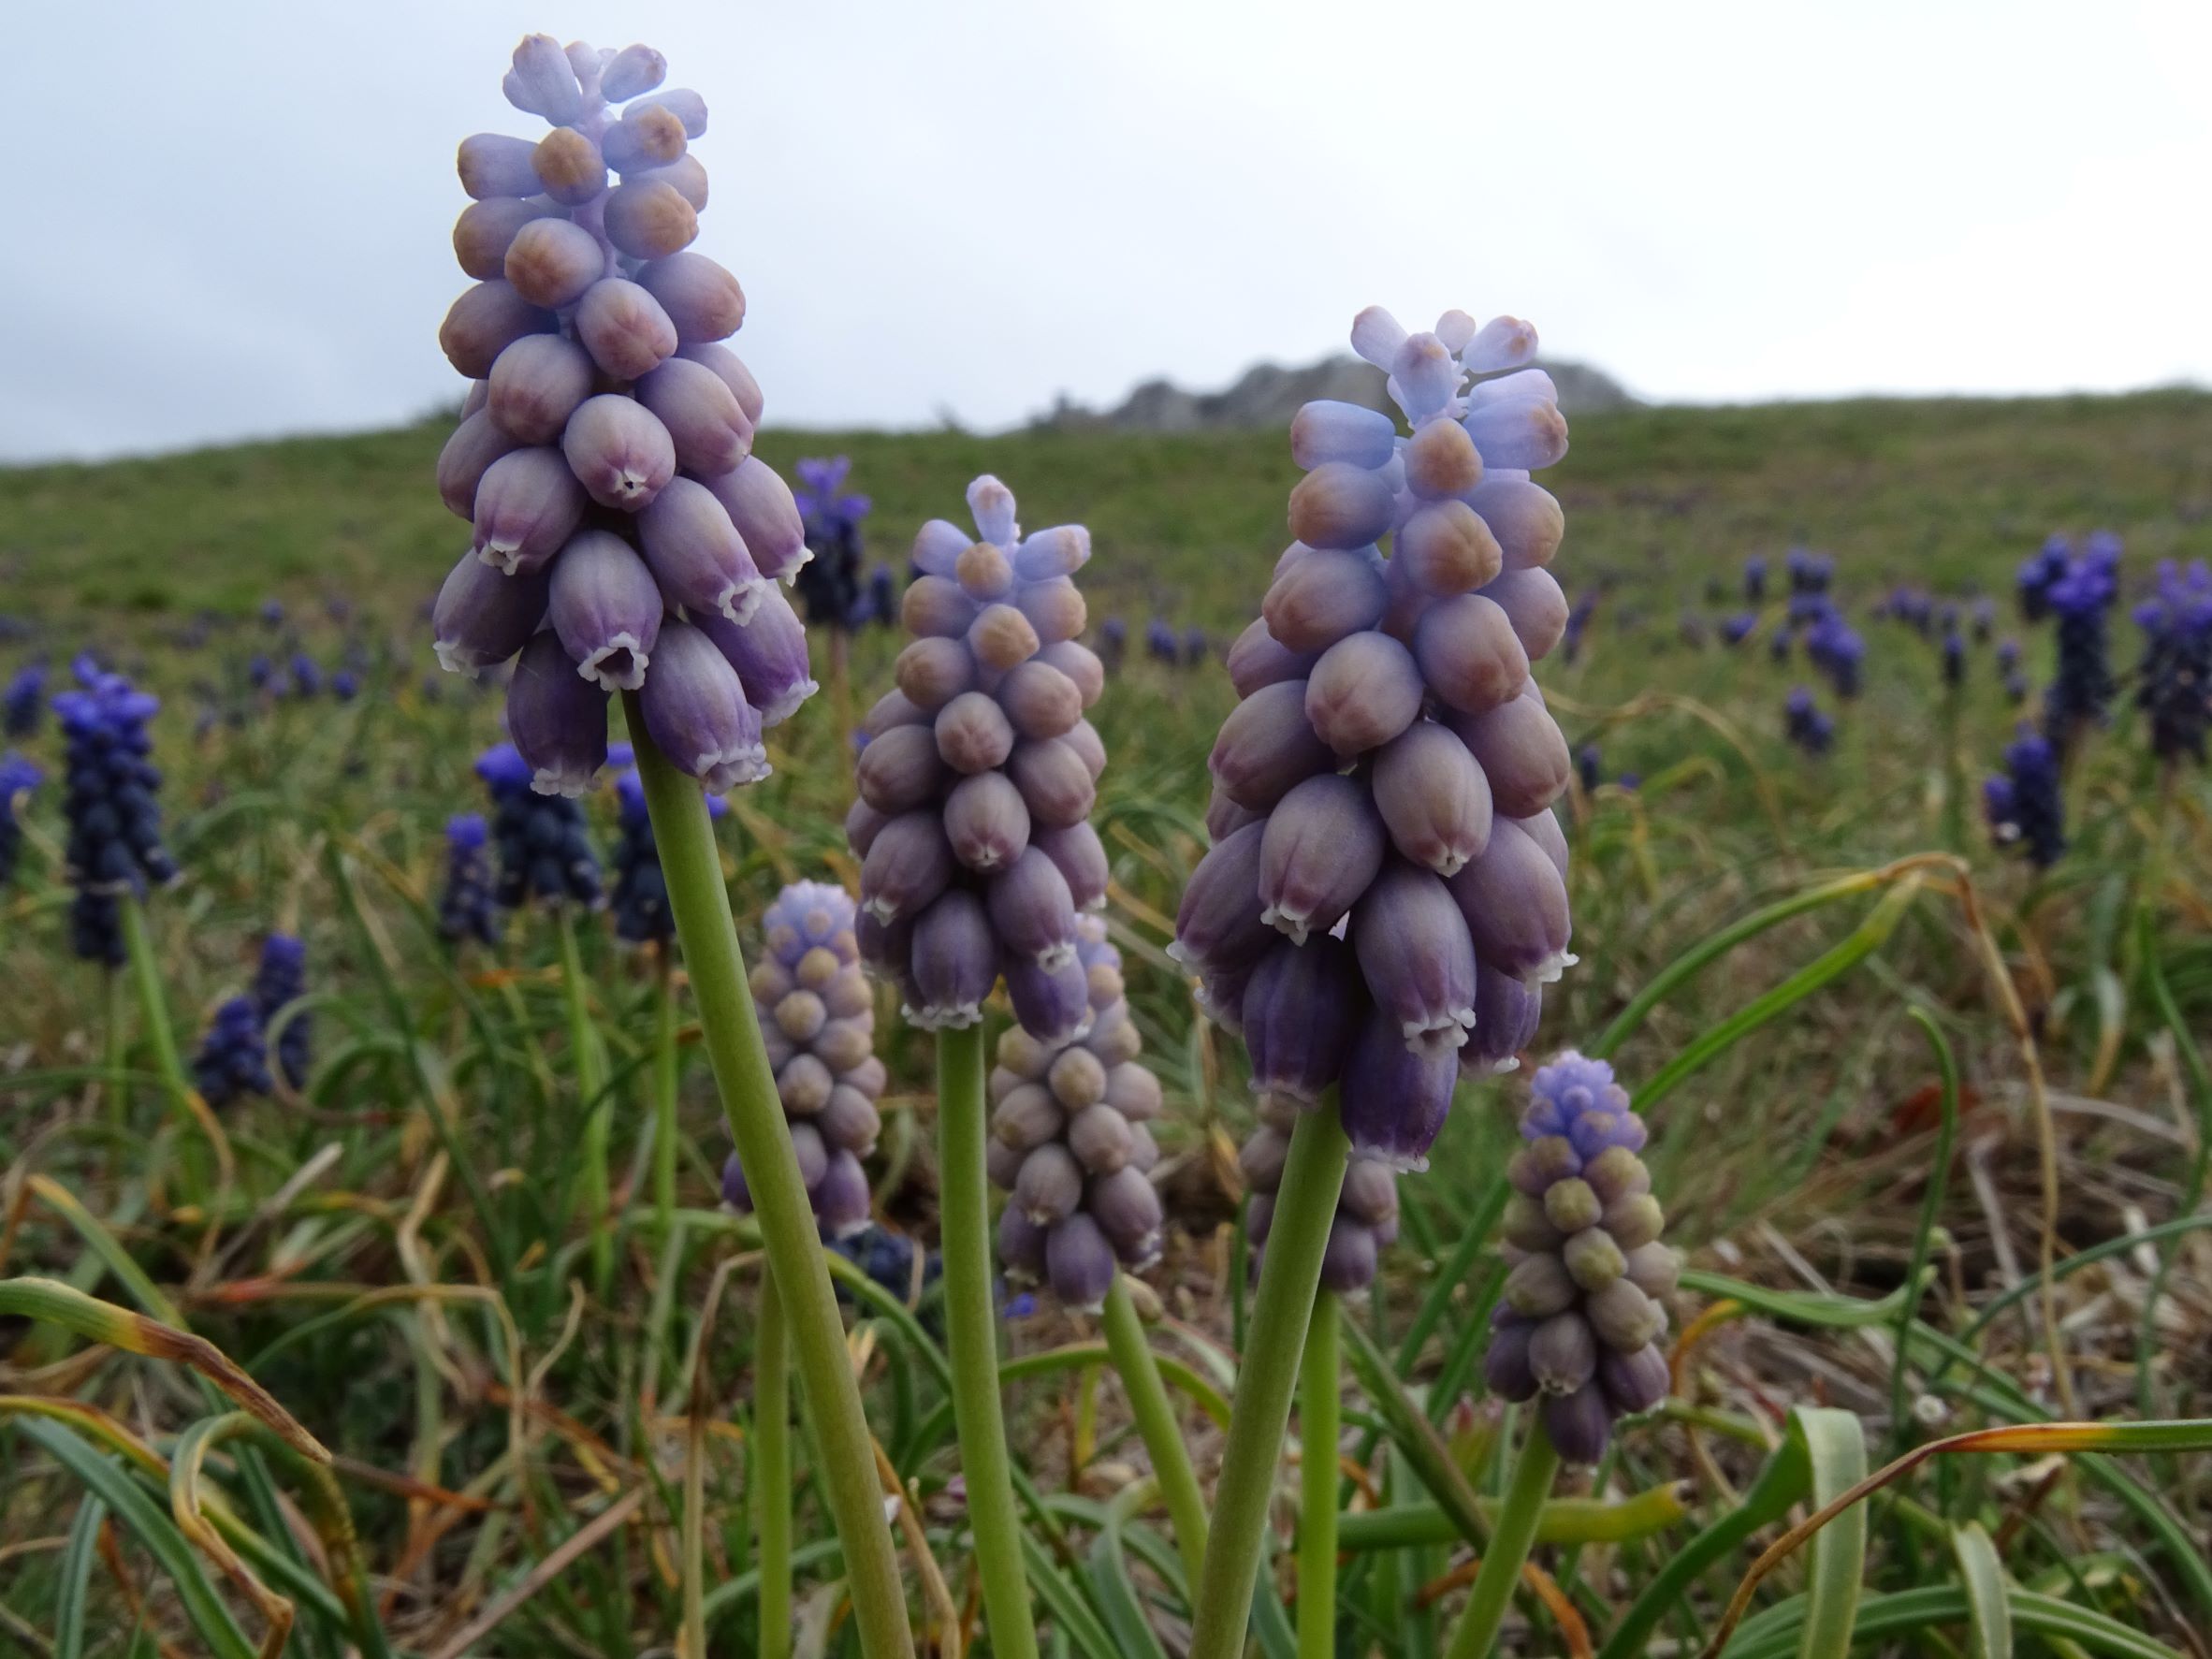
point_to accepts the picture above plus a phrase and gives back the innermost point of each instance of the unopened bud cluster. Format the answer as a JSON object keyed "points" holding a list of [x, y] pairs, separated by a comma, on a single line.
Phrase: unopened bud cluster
{"points": [[977, 779], [1581, 1319], [1070, 1145], [1387, 889], [817, 1017], [625, 537]]}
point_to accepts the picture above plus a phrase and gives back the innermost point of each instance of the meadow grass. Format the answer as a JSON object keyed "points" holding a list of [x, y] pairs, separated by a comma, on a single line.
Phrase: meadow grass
{"points": [[436, 1203]]}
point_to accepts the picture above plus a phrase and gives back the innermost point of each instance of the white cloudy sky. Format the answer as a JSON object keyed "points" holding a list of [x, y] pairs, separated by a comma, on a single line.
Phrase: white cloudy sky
{"points": [[230, 218]]}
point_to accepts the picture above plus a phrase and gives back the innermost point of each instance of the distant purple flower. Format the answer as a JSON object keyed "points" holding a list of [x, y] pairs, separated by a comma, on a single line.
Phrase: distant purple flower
{"points": [[232, 1059], [1810, 573], [280, 981], [544, 854], [272, 614], [1805, 724], [1738, 628], [1953, 660], [1589, 766], [115, 844], [2175, 683], [2023, 802], [22, 705], [307, 674], [2081, 597], [2038, 570], [639, 898], [465, 906], [830, 582], [346, 685], [1159, 641], [18, 779], [1755, 578], [1837, 651]]}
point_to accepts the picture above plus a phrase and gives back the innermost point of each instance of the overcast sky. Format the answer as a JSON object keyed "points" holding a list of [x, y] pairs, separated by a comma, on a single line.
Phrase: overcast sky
{"points": [[231, 219]]}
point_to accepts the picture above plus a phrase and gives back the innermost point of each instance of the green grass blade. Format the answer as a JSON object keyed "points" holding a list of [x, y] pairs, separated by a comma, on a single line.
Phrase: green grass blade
{"points": [[1800, 1307], [1991, 1609], [1117, 1592], [75, 1578], [108, 1481], [1081, 1625], [1837, 1447]]}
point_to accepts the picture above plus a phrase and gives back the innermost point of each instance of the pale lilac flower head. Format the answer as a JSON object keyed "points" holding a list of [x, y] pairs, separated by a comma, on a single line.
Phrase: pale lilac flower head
{"points": [[623, 535]]}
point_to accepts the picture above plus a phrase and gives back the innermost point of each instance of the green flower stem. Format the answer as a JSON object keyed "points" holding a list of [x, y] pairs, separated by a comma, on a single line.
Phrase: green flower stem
{"points": [[1508, 1547], [153, 1009], [709, 935], [1319, 1426], [972, 1331], [771, 1469], [667, 1069], [1290, 1274], [590, 1071], [1139, 1370]]}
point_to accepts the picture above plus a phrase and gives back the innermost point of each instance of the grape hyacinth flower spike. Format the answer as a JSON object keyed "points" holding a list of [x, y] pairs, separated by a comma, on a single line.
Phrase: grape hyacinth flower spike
{"points": [[22, 705], [830, 585], [2023, 803], [545, 850], [2081, 597], [1070, 1142], [623, 535], [1386, 891], [818, 1016], [18, 779], [2175, 683], [111, 798], [280, 981], [233, 1058], [1805, 724], [465, 909], [1580, 1318], [978, 777]]}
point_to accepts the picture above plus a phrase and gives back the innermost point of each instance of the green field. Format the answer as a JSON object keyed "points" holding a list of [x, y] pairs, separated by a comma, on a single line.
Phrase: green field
{"points": [[1793, 1143]]}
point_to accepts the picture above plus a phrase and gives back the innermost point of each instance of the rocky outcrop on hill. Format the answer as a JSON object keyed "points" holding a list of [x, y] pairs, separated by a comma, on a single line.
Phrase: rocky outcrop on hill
{"points": [[1268, 395]]}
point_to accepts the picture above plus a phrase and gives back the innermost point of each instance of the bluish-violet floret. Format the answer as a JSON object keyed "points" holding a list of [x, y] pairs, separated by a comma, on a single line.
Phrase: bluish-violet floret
{"points": [[545, 850], [1578, 1325], [2038, 570], [465, 909], [111, 801], [2023, 802], [280, 981], [18, 779], [1735, 629], [977, 781], [2174, 687], [307, 674], [818, 1016], [1755, 578], [2081, 599], [346, 685], [1953, 660], [829, 585], [22, 705], [1072, 1145], [640, 894], [624, 537], [233, 1058], [1159, 641], [1382, 794], [1805, 724], [1837, 650]]}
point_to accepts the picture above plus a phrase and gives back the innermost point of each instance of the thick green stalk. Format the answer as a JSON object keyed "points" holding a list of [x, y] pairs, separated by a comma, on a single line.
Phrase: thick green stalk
{"points": [[590, 1073], [1289, 1274], [709, 935], [1319, 1426], [1139, 1370], [971, 1333], [771, 1469], [666, 1071], [1509, 1547]]}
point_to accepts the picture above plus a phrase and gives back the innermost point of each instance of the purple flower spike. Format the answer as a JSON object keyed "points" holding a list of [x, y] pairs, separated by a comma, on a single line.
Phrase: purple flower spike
{"points": [[1319, 851], [1393, 1099], [1417, 957], [557, 719], [606, 610], [696, 711], [1300, 1009]]}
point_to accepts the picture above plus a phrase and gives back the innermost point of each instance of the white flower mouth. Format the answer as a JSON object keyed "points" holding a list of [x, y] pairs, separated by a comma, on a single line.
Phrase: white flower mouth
{"points": [[724, 770], [618, 665], [564, 779], [740, 600]]}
